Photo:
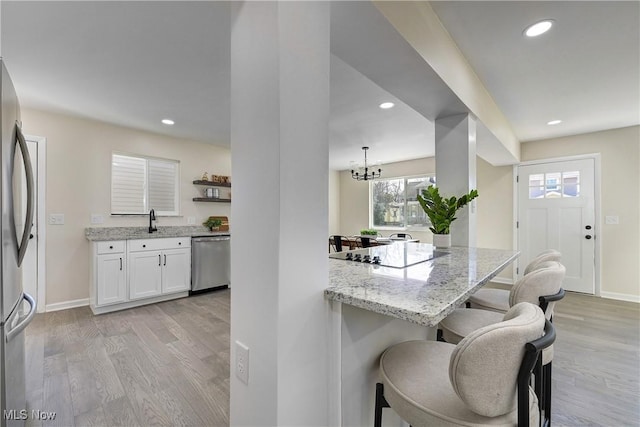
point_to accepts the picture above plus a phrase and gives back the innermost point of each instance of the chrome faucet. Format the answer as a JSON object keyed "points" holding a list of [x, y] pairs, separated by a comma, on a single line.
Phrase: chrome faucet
{"points": [[152, 217]]}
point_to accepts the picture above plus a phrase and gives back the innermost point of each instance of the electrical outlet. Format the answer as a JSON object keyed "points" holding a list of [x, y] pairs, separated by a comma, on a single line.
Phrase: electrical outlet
{"points": [[97, 219], [242, 362], [191, 220], [56, 219]]}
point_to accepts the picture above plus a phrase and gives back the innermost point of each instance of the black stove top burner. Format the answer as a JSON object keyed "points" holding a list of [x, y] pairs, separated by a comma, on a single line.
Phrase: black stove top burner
{"points": [[397, 255]]}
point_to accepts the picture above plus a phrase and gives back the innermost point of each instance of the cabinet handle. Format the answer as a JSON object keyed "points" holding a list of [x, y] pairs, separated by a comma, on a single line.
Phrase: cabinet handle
{"points": [[159, 259], [110, 247], [144, 246], [179, 243], [120, 264], [165, 260]]}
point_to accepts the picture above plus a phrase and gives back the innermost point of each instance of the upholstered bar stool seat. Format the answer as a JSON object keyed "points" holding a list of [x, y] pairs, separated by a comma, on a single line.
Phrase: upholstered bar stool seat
{"points": [[545, 280], [498, 299], [417, 386], [463, 321], [475, 382]]}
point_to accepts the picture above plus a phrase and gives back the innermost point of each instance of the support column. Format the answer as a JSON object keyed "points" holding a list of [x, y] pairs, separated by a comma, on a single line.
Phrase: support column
{"points": [[279, 214], [456, 171]]}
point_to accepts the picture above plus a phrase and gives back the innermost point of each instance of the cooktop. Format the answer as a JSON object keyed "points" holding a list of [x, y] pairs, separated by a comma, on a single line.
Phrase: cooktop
{"points": [[397, 255]]}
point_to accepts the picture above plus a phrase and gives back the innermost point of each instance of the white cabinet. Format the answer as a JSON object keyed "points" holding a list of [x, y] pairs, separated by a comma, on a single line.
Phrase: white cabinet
{"points": [[145, 274], [135, 272], [111, 277], [159, 267], [176, 270]]}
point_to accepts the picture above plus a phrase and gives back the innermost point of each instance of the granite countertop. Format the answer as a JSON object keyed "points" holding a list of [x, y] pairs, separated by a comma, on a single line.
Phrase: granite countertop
{"points": [[424, 293], [128, 233]]}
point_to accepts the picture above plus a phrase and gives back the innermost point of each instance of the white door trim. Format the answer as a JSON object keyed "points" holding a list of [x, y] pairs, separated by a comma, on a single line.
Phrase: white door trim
{"points": [[597, 196], [41, 143]]}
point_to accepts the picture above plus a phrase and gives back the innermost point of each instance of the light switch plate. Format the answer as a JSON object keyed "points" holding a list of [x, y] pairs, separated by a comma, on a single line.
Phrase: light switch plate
{"points": [[56, 219], [191, 220], [612, 219]]}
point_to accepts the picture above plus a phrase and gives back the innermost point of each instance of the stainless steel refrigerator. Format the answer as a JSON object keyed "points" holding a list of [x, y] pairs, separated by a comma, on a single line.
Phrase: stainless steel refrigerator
{"points": [[15, 228]]}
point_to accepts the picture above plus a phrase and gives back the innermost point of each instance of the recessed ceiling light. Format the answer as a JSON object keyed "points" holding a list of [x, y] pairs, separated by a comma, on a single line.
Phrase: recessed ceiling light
{"points": [[168, 122], [387, 105], [554, 122], [538, 28]]}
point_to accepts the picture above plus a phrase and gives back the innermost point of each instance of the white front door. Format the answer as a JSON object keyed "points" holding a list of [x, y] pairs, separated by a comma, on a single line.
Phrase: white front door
{"points": [[556, 210]]}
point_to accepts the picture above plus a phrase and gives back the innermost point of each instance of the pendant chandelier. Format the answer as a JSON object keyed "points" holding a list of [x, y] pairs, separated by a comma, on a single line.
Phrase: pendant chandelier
{"points": [[366, 175]]}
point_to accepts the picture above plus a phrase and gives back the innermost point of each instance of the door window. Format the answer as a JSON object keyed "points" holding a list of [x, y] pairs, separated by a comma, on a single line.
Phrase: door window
{"points": [[554, 185]]}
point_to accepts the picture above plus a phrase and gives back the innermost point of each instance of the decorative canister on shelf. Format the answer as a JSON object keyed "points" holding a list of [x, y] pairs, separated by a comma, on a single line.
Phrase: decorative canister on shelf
{"points": [[205, 177], [212, 193]]}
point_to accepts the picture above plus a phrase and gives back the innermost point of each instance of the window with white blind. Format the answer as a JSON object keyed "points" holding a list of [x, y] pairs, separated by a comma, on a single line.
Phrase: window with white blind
{"points": [[139, 184]]}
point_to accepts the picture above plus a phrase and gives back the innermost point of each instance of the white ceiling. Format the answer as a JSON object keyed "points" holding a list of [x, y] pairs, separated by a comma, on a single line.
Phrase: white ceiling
{"points": [[134, 63], [585, 71]]}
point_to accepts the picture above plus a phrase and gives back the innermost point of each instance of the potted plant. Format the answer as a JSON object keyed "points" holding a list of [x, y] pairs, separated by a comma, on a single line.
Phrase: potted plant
{"points": [[441, 212], [212, 224], [368, 232]]}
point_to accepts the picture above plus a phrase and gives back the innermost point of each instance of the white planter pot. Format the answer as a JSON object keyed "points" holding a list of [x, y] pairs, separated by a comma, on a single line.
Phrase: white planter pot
{"points": [[442, 240]]}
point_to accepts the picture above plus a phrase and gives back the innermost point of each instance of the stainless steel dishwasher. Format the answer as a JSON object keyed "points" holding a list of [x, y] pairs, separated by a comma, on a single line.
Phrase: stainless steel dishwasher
{"points": [[210, 262]]}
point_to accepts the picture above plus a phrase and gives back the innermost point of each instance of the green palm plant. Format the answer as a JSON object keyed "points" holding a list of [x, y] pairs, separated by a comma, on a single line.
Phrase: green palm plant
{"points": [[442, 210]]}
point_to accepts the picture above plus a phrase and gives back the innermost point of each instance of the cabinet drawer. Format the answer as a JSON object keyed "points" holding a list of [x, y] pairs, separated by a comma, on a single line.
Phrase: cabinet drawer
{"points": [[159, 244], [111, 247]]}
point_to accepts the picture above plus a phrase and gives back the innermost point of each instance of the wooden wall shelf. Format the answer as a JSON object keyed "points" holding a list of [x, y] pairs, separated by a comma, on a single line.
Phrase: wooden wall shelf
{"points": [[211, 199], [212, 184]]}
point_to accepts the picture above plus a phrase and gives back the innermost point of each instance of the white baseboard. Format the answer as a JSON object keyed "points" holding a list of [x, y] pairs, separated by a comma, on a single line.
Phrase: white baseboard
{"points": [[620, 297], [67, 304], [502, 280]]}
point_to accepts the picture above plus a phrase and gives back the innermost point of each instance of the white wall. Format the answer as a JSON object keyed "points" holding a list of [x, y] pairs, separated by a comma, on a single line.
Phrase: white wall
{"points": [[495, 209], [334, 202], [79, 184], [279, 264]]}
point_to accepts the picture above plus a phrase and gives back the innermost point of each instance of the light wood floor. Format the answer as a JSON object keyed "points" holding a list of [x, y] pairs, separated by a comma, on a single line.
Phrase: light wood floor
{"points": [[168, 364], [596, 365], [162, 364]]}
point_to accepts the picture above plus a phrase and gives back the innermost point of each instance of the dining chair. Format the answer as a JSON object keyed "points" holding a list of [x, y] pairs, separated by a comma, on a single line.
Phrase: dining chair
{"points": [[404, 236], [498, 299], [338, 242], [483, 380], [363, 241]]}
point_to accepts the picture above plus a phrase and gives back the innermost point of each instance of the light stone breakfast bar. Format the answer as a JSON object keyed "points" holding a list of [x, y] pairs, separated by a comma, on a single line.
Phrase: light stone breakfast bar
{"points": [[374, 307]]}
